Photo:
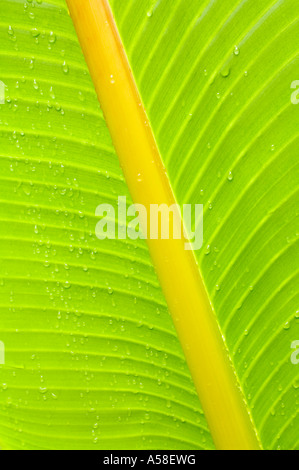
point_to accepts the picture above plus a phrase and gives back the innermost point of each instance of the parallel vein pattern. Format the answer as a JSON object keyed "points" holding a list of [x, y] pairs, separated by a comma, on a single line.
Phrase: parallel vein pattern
{"points": [[92, 358], [215, 78]]}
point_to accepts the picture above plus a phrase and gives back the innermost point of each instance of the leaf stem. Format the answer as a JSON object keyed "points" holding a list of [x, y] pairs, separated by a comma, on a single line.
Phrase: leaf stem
{"points": [[195, 321]]}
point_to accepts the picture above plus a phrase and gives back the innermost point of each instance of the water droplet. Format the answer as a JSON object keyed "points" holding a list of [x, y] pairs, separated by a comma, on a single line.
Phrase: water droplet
{"points": [[31, 64], [208, 250], [236, 50], [52, 37], [230, 176], [65, 68], [35, 32], [225, 71]]}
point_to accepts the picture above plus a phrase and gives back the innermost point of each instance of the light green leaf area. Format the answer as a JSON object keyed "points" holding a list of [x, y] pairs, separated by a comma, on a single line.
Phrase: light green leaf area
{"points": [[215, 77], [92, 360], [91, 357]]}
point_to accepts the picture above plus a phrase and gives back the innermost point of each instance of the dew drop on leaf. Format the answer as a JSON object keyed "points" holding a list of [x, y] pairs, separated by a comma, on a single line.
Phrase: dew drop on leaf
{"points": [[52, 37], [65, 68], [236, 51], [230, 176], [225, 72]]}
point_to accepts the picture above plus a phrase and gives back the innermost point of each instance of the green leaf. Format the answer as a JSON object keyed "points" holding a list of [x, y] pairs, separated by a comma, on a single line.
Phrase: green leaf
{"points": [[215, 78], [91, 357]]}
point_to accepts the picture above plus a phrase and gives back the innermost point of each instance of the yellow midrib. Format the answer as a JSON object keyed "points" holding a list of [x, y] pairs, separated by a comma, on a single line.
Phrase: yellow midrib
{"points": [[207, 356]]}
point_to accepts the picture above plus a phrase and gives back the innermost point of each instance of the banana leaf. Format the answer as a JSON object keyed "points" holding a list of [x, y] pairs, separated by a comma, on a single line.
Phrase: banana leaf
{"points": [[89, 355]]}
